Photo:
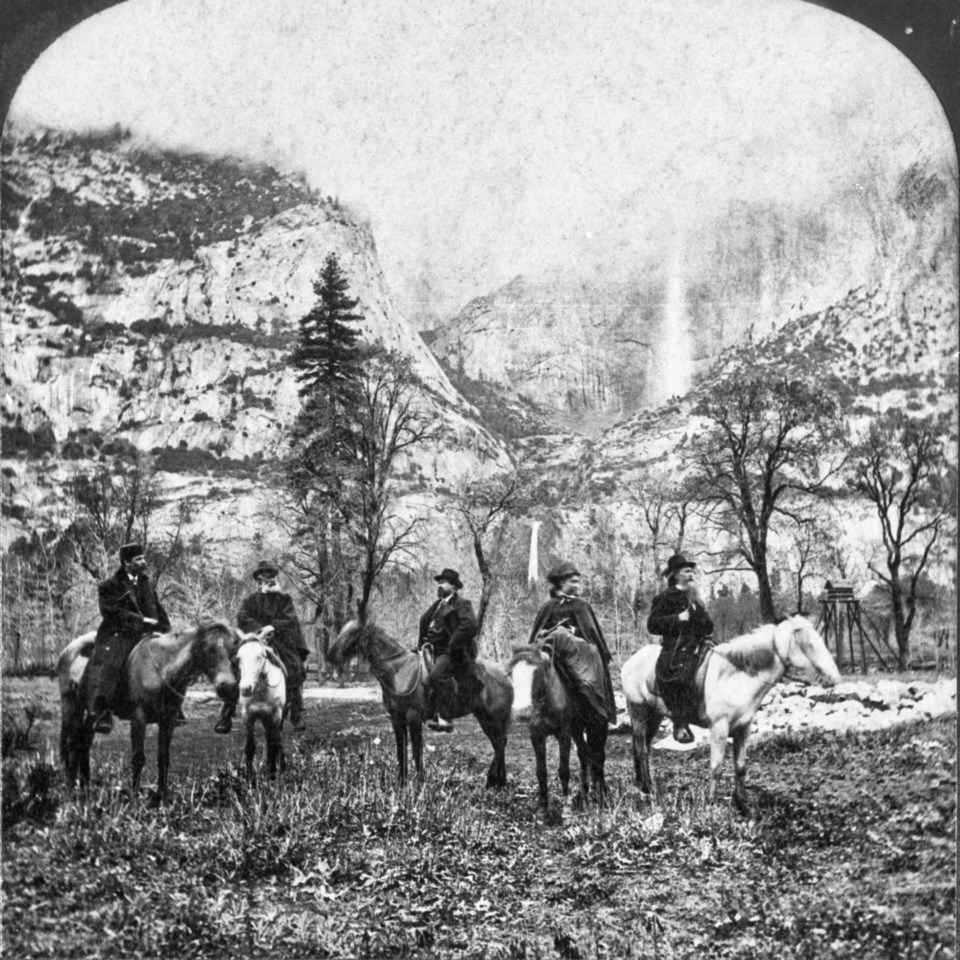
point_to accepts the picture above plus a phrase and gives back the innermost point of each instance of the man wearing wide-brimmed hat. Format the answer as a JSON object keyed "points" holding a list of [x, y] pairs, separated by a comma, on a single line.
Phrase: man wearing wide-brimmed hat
{"points": [[131, 610], [580, 650], [267, 606], [678, 616], [450, 627]]}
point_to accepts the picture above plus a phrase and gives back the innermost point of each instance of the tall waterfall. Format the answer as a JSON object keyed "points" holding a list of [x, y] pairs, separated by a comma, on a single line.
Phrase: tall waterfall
{"points": [[673, 360], [533, 567]]}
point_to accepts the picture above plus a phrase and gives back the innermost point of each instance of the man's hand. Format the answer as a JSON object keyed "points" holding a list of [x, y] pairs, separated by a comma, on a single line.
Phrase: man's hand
{"points": [[684, 617], [150, 621]]}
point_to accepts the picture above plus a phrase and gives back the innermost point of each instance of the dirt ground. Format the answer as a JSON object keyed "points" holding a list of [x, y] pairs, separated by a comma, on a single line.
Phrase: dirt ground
{"points": [[852, 854]]}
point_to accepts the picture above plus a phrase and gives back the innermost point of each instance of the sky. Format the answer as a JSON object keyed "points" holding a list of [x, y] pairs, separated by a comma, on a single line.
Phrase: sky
{"points": [[485, 139]]}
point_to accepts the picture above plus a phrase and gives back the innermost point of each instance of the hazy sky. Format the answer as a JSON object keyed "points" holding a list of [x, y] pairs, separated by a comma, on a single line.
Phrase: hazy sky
{"points": [[485, 139]]}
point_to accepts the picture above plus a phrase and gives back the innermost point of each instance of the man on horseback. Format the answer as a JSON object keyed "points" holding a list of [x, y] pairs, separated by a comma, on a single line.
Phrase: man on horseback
{"points": [[679, 617], [567, 612], [268, 607], [450, 627], [131, 610]]}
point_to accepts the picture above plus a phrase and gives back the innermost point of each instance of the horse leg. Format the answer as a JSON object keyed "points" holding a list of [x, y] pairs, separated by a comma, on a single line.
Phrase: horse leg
{"points": [[564, 742], [597, 754], [579, 740], [645, 723], [249, 750], [718, 747], [740, 800], [164, 739], [400, 733], [539, 740], [138, 756], [274, 748], [416, 744], [497, 735], [71, 720]]}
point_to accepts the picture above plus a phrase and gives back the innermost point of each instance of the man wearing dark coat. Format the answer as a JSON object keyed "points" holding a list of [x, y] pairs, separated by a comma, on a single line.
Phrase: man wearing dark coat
{"points": [[268, 607], [450, 627], [131, 610], [567, 609], [679, 617]]}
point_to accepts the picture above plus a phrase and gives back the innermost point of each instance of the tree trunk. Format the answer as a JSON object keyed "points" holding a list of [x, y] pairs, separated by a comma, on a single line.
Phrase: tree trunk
{"points": [[486, 580], [900, 628], [768, 613]]}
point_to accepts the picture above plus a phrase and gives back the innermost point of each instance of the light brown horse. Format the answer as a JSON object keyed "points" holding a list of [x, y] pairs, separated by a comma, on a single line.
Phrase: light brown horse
{"points": [[156, 676], [403, 678], [734, 679]]}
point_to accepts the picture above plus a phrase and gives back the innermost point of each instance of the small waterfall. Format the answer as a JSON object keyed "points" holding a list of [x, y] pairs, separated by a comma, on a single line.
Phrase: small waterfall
{"points": [[533, 567]]}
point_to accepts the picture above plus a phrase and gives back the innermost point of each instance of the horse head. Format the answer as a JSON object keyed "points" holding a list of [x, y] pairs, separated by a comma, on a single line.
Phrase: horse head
{"points": [[214, 645], [804, 652], [252, 659], [346, 644], [523, 668]]}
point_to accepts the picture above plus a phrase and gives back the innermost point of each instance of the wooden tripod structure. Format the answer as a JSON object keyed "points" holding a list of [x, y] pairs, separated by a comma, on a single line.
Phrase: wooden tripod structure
{"points": [[840, 618]]}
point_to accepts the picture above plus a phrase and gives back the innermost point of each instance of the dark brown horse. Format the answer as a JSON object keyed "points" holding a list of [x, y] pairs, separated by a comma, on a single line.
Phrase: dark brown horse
{"points": [[156, 676], [545, 701], [403, 678]]}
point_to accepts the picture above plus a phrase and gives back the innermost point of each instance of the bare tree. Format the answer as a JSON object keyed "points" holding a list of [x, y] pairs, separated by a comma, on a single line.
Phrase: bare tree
{"points": [[484, 504], [766, 449], [901, 468], [390, 422]]}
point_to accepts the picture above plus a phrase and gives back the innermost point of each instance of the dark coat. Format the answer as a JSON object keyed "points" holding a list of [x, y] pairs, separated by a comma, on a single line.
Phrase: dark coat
{"points": [[592, 681], [458, 628], [276, 610], [664, 620], [123, 606], [579, 617], [683, 646]]}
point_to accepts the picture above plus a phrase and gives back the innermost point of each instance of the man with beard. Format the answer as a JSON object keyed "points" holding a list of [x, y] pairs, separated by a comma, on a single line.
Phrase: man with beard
{"points": [[131, 610], [269, 607], [450, 627], [678, 616]]}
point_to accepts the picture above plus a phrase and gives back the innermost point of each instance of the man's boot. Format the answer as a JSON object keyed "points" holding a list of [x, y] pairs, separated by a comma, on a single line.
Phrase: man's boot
{"points": [[440, 698], [225, 723]]}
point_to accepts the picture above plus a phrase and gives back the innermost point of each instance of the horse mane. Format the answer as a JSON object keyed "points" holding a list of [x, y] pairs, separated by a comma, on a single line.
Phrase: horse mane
{"points": [[753, 652], [525, 653]]}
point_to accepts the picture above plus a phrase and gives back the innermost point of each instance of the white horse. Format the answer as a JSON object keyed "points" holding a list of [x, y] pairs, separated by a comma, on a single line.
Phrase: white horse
{"points": [[263, 697], [734, 679]]}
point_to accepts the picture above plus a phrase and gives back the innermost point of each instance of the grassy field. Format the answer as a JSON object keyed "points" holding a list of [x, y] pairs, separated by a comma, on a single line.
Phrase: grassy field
{"points": [[852, 855]]}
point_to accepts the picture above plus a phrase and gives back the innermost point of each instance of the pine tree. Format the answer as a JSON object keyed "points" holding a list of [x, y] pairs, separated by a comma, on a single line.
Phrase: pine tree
{"points": [[329, 354]]}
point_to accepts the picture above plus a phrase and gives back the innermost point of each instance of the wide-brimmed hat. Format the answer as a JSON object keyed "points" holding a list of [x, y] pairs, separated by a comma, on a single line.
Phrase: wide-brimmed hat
{"points": [[130, 551], [677, 563], [451, 576], [561, 571], [265, 568]]}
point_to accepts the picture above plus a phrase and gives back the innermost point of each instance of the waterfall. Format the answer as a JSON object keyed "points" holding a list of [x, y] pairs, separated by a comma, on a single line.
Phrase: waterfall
{"points": [[673, 355], [533, 568]]}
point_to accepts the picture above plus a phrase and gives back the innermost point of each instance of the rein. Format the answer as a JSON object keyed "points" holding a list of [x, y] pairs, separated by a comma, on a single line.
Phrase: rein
{"points": [[377, 663]]}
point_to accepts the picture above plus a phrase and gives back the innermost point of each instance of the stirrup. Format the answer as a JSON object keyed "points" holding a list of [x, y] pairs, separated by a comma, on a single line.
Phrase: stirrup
{"points": [[682, 733], [224, 725], [103, 723]]}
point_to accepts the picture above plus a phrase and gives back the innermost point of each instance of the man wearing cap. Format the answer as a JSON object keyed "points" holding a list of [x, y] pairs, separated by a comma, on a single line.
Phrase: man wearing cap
{"points": [[450, 627], [131, 610], [589, 671], [678, 616], [268, 607]]}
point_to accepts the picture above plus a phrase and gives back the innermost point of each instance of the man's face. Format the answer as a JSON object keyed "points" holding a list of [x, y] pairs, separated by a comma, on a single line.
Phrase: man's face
{"points": [[268, 583], [686, 578], [445, 588], [136, 566], [572, 586]]}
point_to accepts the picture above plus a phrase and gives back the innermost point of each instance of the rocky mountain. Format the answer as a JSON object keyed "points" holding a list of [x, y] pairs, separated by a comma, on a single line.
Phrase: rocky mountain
{"points": [[587, 353], [150, 301]]}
